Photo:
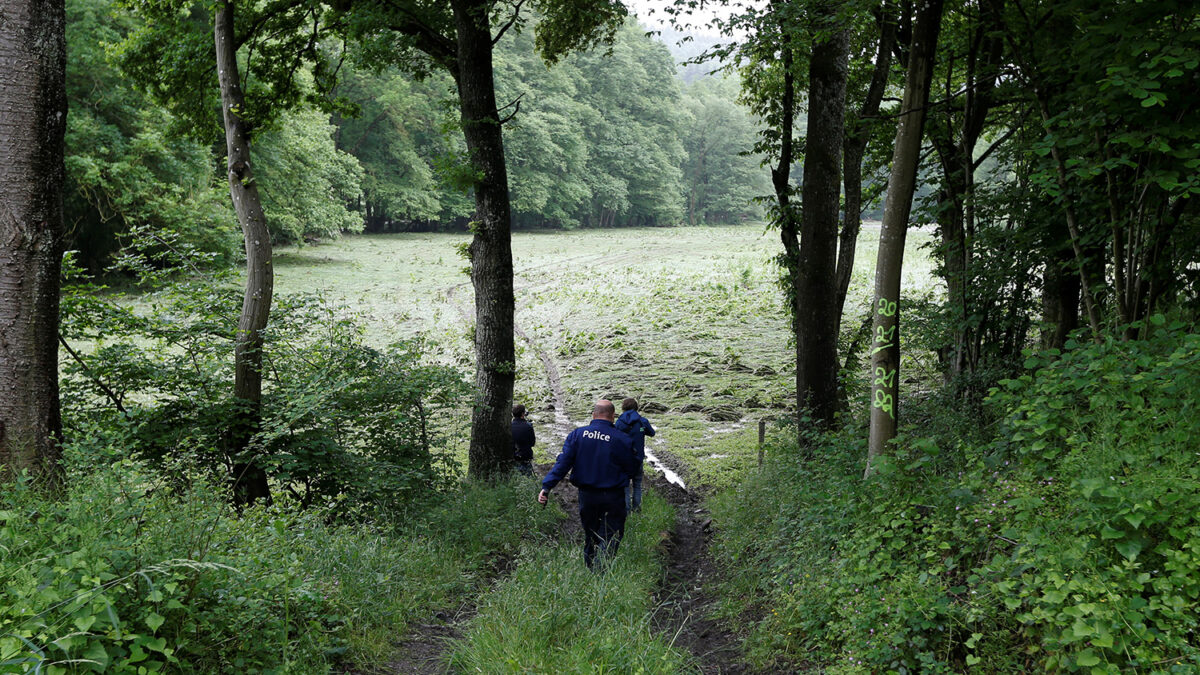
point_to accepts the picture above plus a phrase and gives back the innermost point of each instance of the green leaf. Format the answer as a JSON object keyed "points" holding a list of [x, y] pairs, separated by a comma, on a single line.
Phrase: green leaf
{"points": [[1087, 658], [96, 652], [1130, 548], [154, 620], [83, 623]]}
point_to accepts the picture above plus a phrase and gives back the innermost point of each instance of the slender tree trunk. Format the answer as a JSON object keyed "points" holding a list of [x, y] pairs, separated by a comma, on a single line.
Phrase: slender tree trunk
{"points": [[854, 147], [249, 478], [1060, 296], [781, 181], [491, 247], [1090, 301], [885, 355], [816, 288], [33, 116]]}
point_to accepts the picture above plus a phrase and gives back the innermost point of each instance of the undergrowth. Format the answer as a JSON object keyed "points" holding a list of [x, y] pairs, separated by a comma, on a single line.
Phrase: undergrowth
{"points": [[126, 574], [1065, 537]]}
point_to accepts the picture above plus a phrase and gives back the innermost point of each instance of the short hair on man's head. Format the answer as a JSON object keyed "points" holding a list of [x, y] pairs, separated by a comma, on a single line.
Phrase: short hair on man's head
{"points": [[604, 408], [629, 404], [518, 410]]}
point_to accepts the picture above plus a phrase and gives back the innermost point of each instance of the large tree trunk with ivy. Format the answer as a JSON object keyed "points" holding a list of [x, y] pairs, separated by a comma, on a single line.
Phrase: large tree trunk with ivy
{"points": [[249, 478], [816, 284], [33, 116], [491, 245], [885, 353]]}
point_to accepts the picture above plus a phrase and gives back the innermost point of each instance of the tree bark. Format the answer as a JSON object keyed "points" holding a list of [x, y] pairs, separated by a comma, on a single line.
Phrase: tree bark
{"points": [[885, 354], [33, 116], [249, 478], [1060, 292], [491, 245], [816, 284], [781, 177]]}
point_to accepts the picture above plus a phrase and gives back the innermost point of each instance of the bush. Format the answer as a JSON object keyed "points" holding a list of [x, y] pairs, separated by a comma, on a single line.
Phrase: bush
{"points": [[339, 419], [1069, 542], [125, 575]]}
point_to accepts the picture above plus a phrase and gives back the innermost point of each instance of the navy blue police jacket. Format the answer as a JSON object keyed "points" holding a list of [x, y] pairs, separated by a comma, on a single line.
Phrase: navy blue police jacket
{"points": [[523, 440], [598, 456], [638, 428]]}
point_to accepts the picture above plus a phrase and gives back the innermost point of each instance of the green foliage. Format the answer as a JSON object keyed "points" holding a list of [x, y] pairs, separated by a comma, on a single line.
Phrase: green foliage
{"points": [[339, 419], [401, 130], [172, 57], [127, 575], [308, 185], [724, 179], [124, 169], [1065, 543]]}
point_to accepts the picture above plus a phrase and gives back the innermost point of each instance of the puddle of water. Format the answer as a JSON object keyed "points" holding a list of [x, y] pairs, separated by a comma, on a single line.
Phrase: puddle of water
{"points": [[667, 473]]}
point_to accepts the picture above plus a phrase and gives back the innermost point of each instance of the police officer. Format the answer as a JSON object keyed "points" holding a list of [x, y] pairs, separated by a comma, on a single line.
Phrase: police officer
{"points": [[601, 461]]}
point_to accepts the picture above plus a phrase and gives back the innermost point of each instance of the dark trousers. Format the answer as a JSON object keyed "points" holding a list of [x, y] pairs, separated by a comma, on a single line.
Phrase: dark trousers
{"points": [[602, 513]]}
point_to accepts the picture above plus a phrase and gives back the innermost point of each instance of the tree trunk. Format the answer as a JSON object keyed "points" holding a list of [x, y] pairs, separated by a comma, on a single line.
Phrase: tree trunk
{"points": [[33, 116], [1060, 294], [249, 478], [491, 246], [781, 181], [854, 147], [885, 355], [816, 287]]}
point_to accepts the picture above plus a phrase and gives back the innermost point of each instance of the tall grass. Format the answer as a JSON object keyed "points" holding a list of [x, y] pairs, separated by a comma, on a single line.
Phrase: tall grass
{"points": [[554, 615]]}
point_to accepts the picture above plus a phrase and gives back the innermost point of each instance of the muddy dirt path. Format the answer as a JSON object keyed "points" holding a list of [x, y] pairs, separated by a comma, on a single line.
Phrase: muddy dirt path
{"points": [[684, 603]]}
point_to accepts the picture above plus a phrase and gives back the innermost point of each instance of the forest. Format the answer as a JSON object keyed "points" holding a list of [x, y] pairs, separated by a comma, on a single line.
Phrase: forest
{"points": [[909, 290]]}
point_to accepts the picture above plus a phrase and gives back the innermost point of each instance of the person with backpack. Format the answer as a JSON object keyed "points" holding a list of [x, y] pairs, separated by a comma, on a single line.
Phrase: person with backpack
{"points": [[632, 424], [523, 441]]}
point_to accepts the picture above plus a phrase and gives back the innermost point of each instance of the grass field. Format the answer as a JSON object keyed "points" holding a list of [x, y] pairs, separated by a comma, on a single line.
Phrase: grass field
{"points": [[687, 320]]}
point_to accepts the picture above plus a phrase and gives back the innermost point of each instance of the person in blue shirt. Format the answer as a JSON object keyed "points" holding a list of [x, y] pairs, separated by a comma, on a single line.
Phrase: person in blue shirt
{"points": [[523, 441], [600, 460], [637, 428]]}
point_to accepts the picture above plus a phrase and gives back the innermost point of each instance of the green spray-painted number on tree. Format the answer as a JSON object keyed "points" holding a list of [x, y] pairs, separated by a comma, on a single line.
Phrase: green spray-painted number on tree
{"points": [[883, 338]]}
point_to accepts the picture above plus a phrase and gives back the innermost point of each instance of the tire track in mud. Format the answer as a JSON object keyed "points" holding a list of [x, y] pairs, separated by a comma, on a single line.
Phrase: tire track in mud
{"points": [[683, 603]]}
